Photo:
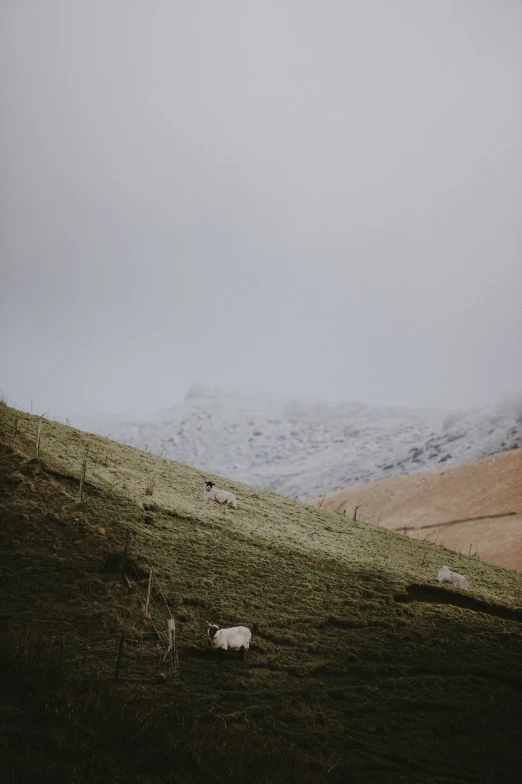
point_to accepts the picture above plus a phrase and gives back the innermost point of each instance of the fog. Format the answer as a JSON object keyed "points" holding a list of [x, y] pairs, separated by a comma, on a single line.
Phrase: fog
{"points": [[315, 199]]}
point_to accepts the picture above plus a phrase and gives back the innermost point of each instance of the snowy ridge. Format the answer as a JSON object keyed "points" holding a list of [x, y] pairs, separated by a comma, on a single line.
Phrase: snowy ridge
{"points": [[308, 449]]}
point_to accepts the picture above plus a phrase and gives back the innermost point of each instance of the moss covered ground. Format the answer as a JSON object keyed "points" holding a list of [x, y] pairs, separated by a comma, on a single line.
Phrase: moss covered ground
{"points": [[361, 669]]}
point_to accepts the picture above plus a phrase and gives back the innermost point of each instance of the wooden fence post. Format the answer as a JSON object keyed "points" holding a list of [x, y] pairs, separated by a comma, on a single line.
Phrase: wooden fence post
{"points": [[171, 633], [38, 433], [125, 551], [118, 660], [148, 591], [82, 477]]}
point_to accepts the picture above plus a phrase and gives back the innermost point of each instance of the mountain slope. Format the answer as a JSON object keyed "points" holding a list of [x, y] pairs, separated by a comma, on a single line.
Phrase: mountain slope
{"points": [[361, 668], [311, 449], [476, 506]]}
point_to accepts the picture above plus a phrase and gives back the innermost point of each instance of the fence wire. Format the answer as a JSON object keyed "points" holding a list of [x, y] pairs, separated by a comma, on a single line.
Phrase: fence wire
{"points": [[140, 656]]}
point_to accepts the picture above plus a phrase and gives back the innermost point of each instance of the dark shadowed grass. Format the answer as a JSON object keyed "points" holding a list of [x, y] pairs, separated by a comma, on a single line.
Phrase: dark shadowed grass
{"points": [[345, 681]]}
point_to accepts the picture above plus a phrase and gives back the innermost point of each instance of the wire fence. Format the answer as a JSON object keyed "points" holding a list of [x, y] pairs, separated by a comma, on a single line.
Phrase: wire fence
{"points": [[128, 656], [139, 656], [151, 655]]}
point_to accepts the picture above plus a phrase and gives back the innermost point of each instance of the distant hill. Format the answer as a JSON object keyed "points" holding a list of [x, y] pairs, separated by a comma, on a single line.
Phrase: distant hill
{"points": [[309, 449], [473, 507], [362, 667]]}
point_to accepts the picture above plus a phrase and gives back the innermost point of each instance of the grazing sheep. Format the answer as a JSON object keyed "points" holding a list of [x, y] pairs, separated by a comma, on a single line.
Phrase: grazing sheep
{"points": [[237, 638], [445, 575], [221, 496]]}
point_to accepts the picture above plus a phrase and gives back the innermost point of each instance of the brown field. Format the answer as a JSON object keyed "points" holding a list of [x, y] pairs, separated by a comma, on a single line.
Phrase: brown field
{"points": [[469, 508]]}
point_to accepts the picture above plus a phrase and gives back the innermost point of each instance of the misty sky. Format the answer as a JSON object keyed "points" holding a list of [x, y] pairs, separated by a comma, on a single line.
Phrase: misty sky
{"points": [[317, 199]]}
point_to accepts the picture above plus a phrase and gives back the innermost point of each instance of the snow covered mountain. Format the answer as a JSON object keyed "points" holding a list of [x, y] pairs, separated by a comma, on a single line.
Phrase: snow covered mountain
{"points": [[307, 449]]}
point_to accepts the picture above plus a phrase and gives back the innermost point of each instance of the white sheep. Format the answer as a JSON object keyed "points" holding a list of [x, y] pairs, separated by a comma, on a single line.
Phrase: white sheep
{"points": [[221, 496], [237, 638], [445, 575]]}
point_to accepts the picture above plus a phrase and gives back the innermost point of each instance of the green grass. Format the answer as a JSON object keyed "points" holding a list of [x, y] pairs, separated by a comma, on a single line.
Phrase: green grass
{"points": [[343, 682]]}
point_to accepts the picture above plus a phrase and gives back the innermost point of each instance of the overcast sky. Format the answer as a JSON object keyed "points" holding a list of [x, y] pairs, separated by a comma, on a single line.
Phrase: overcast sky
{"points": [[318, 199]]}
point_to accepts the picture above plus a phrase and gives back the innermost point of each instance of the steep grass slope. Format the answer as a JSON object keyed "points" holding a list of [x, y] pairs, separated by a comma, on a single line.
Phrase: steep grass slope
{"points": [[362, 668], [473, 507]]}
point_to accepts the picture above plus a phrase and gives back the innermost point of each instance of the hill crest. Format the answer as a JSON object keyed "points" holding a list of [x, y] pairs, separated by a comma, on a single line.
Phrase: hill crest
{"points": [[308, 449]]}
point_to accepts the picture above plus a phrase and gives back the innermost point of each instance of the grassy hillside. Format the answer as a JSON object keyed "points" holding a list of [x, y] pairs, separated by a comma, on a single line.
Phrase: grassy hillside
{"points": [[472, 507], [362, 668]]}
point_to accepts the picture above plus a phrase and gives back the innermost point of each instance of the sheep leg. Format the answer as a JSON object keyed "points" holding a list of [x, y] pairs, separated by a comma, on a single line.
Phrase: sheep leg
{"points": [[242, 652]]}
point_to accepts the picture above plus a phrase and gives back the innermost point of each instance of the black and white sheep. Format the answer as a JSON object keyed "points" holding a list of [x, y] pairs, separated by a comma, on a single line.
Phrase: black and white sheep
{"points": [[236, 638], [445, 575], [221, 496]]}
